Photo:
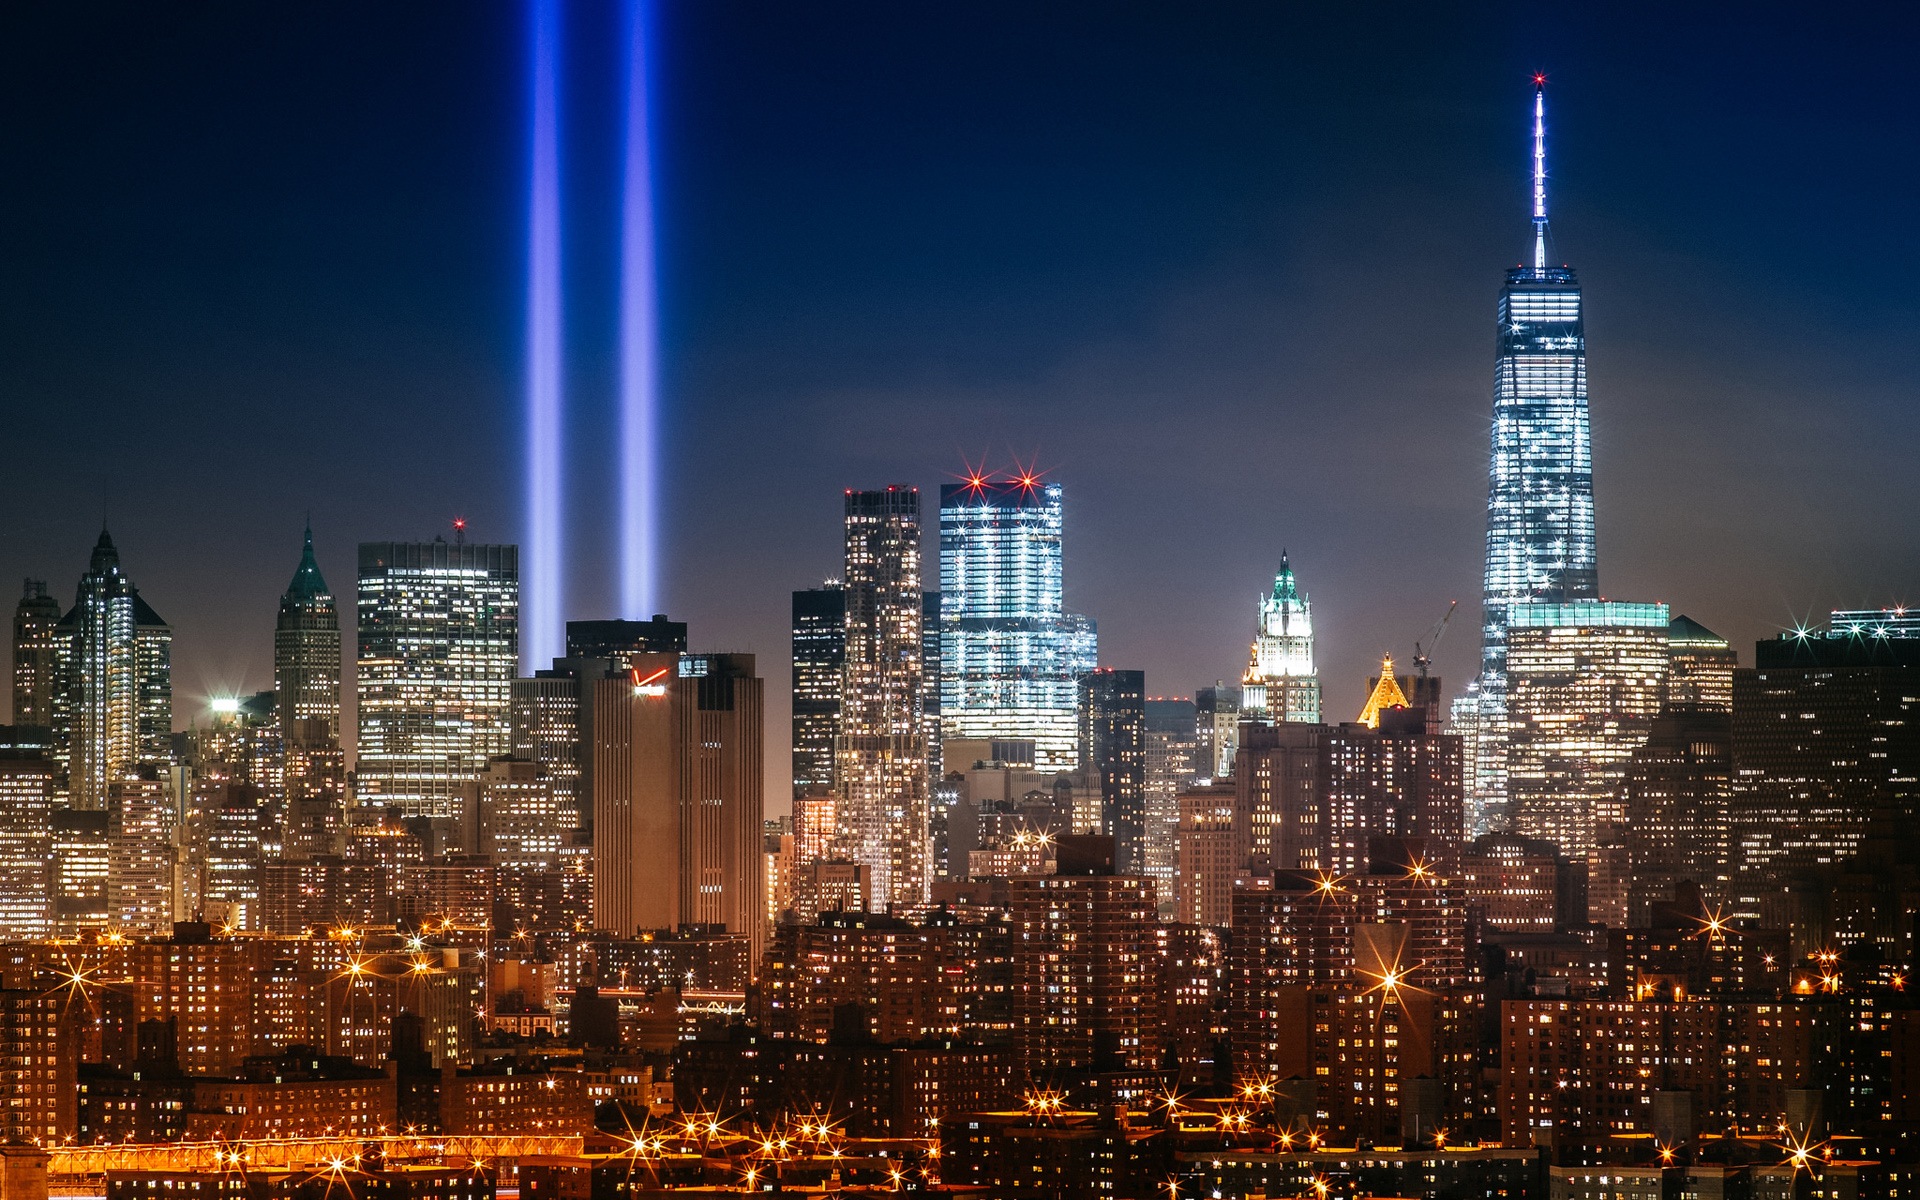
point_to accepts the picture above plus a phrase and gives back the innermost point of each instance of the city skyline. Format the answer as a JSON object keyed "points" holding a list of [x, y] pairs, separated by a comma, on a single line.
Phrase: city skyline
{"points": [[1102, 396], [1795, 535]]}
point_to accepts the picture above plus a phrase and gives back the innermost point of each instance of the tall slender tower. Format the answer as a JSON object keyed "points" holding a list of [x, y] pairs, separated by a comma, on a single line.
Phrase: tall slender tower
{"points": [[306, 650], [880, 754], [1281, 683], [306, 681], [1540, 533], [114, 707]]}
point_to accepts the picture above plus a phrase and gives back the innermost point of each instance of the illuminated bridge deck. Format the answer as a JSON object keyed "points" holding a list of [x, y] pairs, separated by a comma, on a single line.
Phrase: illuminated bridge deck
{"points": [[72, 1163]]}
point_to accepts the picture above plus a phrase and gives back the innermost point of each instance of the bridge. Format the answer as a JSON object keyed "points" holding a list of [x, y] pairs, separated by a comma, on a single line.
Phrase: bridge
{"points": [[296, 1153]]}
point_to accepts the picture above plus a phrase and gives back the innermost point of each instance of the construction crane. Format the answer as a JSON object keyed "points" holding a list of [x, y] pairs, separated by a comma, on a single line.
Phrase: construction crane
{"points": [[1422, 659]]}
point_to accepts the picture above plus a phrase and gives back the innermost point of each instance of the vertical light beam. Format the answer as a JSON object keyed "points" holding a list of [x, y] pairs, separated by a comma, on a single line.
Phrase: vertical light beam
{"points": [[541, 625], [639, 368]]}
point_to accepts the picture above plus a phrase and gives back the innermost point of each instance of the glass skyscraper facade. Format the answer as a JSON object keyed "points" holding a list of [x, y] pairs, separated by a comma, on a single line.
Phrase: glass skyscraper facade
{"points": [[880, 750], [1540, 530], [1586, 680], [439, 640], [819, 656], [113, 708], [1010, 657]]}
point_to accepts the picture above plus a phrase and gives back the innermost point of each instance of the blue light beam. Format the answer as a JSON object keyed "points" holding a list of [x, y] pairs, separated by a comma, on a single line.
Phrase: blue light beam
{"points": [[542, 636], [639, 344]]}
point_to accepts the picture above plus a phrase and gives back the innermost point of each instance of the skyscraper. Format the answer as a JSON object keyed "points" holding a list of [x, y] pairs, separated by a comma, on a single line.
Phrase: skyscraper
{"points": [[78, 872], [140, 853], [677, 795], [880, 755], [114, 704], [1281, 683], [1010, 655], [1173, 765], [552, 728], [306, 649], [819, 656], [439, 640], [1394, 780], [551, 714], [306, 680], [1585, 681], [1700, 667], [1826, 751], [1083, 986], [27, 788], [1113, 741], [1540, 526], [1677, 790], [36, 655]]}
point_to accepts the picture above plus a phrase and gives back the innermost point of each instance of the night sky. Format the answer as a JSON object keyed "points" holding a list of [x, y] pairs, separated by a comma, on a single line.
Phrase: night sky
{"points": [[1226, 272]]}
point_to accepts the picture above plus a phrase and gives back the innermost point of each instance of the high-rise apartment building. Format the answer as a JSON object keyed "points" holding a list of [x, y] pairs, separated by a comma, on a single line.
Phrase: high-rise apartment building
{"points": [[524, 824], [819, 657], [1281, 683], [1512, 883], [1084, 977], [1540, 526], [78, 870], [1011, 656], [140, 853], [1826, 746], [1211, 853], [677, 796], [36, 656], [220, 868], [1585, 679], [27, 797], [1113, 741], [439, 640], [1398, 781], [880, 754], [1280, 778], [1678, 792], [551, 718], [113, 707], [39, 1088], [1173, 767]]}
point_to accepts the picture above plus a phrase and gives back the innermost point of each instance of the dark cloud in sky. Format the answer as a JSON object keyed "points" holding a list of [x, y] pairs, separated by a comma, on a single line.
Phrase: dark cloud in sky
{"points": [[1229, 274]]}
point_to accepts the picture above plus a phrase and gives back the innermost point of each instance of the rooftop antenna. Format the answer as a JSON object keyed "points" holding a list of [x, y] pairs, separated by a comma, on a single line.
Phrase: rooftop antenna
{"points": [[1539, 173]]}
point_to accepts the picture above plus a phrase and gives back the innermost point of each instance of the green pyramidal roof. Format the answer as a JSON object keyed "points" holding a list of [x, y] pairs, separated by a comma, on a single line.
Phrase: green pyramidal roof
{"points": [[1685, 631], [307, 583], [1284, 587]]}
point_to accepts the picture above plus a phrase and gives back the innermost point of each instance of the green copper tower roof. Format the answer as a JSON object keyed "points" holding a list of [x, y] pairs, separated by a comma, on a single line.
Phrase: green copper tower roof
{"points": [[307, 583]]}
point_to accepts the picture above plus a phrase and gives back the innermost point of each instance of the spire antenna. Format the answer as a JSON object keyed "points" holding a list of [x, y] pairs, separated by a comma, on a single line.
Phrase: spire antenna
{"points": [[1539, 172]]}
